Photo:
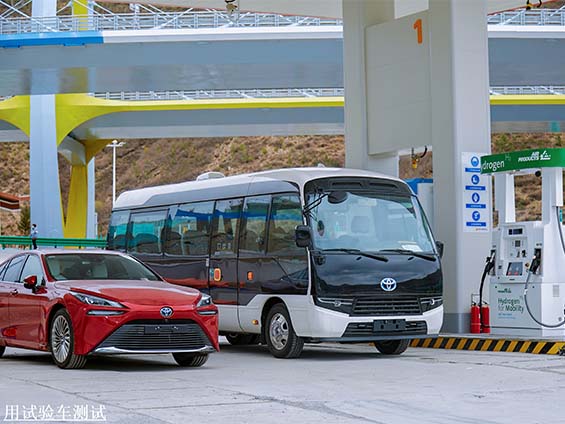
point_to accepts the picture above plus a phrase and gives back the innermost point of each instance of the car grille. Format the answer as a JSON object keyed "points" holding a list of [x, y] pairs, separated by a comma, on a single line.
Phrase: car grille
{"points": [[365, 329], [157, 335], [386, 306]]}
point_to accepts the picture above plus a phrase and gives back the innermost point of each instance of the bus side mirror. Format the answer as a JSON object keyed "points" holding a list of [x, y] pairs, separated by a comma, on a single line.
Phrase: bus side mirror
{"points": [[303, 236], [439, 247]]}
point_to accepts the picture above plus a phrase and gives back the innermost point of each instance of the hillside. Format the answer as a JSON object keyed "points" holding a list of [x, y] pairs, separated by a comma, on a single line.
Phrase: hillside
{"points": [[144, 163]]}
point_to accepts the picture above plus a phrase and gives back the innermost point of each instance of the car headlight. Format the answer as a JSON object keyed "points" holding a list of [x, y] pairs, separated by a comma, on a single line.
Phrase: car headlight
{"points": [[204, 301], [96, 301]]}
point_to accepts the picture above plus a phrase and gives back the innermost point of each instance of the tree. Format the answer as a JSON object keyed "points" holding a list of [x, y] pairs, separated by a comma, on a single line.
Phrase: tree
{"points": [[24, 225]]}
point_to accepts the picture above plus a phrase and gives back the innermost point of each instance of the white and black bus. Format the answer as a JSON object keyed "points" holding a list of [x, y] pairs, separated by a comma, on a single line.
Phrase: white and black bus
{"points": [[294, 255]]}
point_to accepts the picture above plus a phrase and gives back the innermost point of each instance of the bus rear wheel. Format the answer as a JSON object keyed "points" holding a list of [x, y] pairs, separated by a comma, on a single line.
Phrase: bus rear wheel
{"points": [[392, 347], [239, 339], [282, 341]]}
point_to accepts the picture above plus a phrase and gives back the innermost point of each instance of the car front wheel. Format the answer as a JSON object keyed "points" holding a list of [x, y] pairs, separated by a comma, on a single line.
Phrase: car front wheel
{"points": [[392, 347], [282, 341], [2, 350], [62, 342], [190, 359]]}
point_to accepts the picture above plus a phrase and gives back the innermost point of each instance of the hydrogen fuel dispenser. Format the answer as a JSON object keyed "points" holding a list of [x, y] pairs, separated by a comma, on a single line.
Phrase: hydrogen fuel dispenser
{"points": [[527, 260]]}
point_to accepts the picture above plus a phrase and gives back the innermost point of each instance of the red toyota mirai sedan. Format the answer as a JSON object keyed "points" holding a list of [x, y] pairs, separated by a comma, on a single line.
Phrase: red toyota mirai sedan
{"points": [[76, 303]]}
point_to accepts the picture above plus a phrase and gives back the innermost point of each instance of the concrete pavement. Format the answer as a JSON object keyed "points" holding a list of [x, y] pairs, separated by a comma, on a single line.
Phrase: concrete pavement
{"points": [[329, 383]]}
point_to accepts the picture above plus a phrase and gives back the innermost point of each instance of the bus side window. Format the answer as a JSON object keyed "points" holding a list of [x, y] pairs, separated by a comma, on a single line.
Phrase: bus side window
{"points": [[253, 234], [189, 232], [286, 214], [117, 230], [146, 230], [226, 226]]}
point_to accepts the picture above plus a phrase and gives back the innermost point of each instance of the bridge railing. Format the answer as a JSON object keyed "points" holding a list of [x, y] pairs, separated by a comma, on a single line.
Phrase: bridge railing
{"points": [[25, 242], [557, 90], [161, 20], [220, 94], [529, 17]]}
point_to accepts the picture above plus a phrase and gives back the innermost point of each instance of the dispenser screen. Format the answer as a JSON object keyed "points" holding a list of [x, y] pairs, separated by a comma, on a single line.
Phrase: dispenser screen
{"points": [[514, 268]]}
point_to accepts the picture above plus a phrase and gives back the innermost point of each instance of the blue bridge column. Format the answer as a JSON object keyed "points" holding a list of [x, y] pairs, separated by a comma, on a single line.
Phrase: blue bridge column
{"points": [[45, 192]]}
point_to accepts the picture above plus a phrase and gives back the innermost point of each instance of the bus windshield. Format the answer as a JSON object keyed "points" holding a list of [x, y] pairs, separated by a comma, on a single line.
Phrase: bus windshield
{"points": [[369, 221]]}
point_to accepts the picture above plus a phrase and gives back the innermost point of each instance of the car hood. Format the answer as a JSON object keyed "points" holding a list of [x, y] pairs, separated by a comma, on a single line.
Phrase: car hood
{"points": [[154, 293]]}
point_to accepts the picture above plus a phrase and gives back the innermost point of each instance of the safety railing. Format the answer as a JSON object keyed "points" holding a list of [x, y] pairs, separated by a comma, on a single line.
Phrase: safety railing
{"points": [[192, 19], [161, 20], [25, 242], [528, 90], [290, 92], [529, 17], [219, 94]]}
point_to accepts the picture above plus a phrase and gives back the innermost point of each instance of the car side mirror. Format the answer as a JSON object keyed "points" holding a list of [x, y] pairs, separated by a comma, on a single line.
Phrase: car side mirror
{"points": [[30, 282], [303, 236], [439, 247]]}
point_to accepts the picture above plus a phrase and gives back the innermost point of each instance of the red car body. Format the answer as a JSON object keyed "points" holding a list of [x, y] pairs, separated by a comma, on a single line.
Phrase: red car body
{"points": [[26, 313]]}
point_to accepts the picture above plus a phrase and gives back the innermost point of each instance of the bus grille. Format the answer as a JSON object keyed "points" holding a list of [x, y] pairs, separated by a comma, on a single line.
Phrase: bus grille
{"points": [[158, 335], [362, 329], [386, 306]]}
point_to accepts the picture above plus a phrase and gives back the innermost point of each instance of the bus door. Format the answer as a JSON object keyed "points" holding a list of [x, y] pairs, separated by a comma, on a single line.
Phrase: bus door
{"points": [[223, 280], [277, 266], [252, 260]]}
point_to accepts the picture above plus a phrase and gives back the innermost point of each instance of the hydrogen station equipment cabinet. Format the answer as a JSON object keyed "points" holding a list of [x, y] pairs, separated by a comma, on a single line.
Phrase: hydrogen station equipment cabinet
{"points": [[527, 281]]}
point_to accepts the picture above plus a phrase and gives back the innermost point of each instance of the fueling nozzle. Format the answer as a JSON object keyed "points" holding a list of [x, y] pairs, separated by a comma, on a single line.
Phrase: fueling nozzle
{"points": [[536, 261]]}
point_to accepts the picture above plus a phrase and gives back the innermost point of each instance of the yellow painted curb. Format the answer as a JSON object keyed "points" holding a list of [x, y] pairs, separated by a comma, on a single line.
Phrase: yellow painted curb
{"points": [[492, 345]]}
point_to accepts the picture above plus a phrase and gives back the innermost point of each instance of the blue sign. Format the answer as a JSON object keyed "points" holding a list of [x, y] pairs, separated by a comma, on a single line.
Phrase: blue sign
{"points": [[475, 179], [476, 216], [475, 161], [476, 198]]}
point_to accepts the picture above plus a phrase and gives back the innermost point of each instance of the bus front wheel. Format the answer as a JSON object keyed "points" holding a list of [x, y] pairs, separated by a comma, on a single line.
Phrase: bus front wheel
{"points": [[392, 347], [282, 341]]}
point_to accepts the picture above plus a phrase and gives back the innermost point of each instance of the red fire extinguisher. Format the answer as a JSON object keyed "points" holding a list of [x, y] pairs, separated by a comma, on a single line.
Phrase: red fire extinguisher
{"points": [[475, 318], [485, 318]]}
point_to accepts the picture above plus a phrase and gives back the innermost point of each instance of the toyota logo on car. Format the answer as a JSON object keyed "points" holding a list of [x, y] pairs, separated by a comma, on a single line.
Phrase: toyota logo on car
{"points": [[166, 312], [388, 284]]}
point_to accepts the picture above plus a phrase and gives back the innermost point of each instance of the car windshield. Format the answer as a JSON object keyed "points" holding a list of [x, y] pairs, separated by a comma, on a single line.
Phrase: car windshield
{"points": [[369, 222], [85, 266]]}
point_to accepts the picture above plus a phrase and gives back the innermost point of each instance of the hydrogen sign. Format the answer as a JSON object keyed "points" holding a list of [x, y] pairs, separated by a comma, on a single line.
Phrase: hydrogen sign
{"points": [[476, 194]]}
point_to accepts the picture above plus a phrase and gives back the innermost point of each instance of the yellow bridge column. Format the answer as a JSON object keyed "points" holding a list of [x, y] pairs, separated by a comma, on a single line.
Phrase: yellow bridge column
{"points": [[75, 221]]}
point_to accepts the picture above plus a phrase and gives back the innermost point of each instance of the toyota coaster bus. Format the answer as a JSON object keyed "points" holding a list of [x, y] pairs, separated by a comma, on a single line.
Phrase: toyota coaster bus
{"points": [[294, 255]]}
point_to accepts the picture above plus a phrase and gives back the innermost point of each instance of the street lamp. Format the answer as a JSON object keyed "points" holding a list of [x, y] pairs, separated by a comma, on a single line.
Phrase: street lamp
{"points": [[114, 145]]}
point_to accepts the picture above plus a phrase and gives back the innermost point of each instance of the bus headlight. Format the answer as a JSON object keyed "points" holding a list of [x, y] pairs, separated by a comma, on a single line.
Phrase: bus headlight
{"points": [[338, 304], [429, 303]]}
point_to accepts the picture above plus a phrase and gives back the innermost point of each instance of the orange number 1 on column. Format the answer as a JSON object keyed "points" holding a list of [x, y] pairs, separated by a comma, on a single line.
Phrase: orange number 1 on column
{"points": [[418, 27]]}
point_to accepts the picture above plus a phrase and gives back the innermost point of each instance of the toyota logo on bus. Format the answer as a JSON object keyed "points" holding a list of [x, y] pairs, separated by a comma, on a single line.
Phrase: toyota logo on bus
{"points": [[166, 312], [388, 284]]}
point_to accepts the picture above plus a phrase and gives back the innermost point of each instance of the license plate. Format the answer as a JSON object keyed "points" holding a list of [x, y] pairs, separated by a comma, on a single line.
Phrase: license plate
{"points": [[389, 325], [167, 329]]}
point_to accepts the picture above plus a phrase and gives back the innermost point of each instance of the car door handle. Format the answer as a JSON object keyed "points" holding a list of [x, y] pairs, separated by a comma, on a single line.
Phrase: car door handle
{"points": [[14, 292]]}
